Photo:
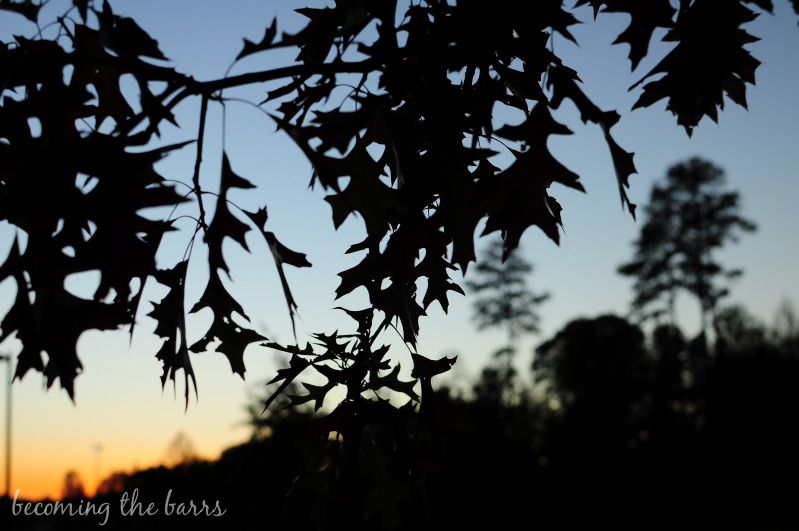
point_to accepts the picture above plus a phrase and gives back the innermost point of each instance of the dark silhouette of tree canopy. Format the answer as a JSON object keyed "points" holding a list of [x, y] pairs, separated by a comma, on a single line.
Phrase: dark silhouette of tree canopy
{"points": [[786, 328], [689, 216], [594, 362]]}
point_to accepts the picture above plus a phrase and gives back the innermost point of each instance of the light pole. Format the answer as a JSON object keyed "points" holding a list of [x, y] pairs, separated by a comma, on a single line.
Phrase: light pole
{"points": [[6, 358]]}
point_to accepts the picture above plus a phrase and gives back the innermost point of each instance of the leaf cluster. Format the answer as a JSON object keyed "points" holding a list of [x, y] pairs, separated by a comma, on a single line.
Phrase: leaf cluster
{"points": [[422, 158]]}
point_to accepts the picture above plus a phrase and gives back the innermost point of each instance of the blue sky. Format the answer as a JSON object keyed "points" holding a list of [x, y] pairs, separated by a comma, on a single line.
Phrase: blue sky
{"points": [[119, 400]]}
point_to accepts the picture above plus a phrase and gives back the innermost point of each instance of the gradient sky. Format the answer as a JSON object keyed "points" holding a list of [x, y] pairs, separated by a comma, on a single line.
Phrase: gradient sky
{"points": [[119, 402]]}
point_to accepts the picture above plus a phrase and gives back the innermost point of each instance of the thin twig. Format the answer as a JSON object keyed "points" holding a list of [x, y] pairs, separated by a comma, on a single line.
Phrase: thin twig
{"points": [[198, 161]]}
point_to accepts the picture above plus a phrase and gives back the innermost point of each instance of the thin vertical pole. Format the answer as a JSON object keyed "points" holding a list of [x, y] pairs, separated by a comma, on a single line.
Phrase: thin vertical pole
{"points": [[7, 359], [8, 428]]}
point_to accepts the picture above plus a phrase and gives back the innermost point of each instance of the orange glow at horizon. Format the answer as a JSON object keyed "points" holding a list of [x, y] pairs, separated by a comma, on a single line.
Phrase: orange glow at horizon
{"points": [[41, 476], [121, 408]]}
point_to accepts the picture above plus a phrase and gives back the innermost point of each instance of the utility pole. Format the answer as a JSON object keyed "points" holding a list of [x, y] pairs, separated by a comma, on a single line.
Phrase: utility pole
{"points": [[7, 358]]}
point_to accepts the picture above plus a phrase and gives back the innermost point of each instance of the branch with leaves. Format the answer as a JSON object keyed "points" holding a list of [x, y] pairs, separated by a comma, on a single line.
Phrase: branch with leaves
{"points": [[417, 153]]}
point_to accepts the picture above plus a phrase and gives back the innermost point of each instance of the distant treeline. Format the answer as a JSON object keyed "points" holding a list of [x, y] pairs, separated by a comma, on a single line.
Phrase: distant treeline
{"points": [[620, 430]]}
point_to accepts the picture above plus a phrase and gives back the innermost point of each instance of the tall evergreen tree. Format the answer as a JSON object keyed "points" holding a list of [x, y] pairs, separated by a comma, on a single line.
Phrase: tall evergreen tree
{"points": [[690, 215], [504, 300]]}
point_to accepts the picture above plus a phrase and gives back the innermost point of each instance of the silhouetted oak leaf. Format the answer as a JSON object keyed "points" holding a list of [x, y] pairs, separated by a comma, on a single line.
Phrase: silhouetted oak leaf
{"points": [[520, 200], [125, 37], [645, 18], [316, 394], [392, 381], [170, 318], [425, 368], [563, 81], [282, 255], [225, 224], [286, 375], [695, 75], [264, 44], [398, 301], [233, 337], [362, 317], [438, 282], [26, 8]]}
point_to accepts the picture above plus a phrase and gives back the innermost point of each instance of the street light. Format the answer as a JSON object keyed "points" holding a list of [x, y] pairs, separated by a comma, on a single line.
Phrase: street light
{"points": [[6, 358]]}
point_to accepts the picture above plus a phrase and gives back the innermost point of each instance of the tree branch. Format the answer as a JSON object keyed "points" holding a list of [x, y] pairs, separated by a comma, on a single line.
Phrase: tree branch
{"points": [[206, 88], [198, 161]]}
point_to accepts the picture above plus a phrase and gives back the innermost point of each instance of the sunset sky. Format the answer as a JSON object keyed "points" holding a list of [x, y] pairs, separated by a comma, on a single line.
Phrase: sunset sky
{"points": [[119, 401]]}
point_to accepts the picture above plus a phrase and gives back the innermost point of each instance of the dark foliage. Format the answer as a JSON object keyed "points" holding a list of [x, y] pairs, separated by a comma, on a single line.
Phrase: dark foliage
{"points": [[425, 90], [416, 161], [684, 442]]}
